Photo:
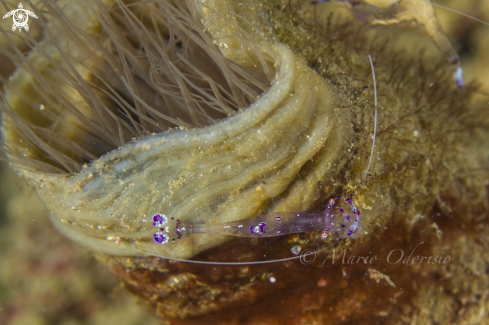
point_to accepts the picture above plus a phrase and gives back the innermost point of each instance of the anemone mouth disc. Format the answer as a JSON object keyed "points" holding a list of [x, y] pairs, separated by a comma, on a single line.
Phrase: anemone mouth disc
{"points": [[238, 166], [198, 175]]}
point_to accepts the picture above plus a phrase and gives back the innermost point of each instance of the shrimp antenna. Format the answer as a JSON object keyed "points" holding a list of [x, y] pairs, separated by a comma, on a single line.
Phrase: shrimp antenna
{"points": [[301, 256], [375, 123], [456, 11]]}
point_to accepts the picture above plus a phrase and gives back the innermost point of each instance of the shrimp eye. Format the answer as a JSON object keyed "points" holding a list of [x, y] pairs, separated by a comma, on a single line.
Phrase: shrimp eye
{"points": [[324, 235], [159, 220], [331, 201], [160, 238]]}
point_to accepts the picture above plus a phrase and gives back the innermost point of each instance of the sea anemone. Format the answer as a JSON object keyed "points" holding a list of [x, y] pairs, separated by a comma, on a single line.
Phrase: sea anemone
{"points": [[217, 111]]}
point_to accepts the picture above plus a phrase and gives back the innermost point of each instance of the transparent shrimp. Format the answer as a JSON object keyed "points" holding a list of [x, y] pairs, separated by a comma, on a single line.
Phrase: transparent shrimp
{"points": [[339, 220]]}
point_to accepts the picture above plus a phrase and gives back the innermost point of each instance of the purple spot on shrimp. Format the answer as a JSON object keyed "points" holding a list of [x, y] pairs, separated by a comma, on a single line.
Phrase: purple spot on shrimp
{"points": [[279, 232], [350, 233], [262, 227], [342, 226], [277, 218], [347, 217], [341, 210], [336, 233], [251, 229]]}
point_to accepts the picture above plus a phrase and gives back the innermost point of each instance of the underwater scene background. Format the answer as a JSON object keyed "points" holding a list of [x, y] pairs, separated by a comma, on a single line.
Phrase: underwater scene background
{"points": [[420, 256]]}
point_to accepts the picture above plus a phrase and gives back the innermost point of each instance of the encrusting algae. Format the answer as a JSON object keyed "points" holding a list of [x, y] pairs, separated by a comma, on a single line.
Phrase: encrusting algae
{"points": [[215, 111]]}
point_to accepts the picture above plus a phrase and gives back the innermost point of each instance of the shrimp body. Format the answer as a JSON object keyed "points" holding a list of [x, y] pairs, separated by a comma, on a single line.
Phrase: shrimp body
{"points": [[340, 219]]}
